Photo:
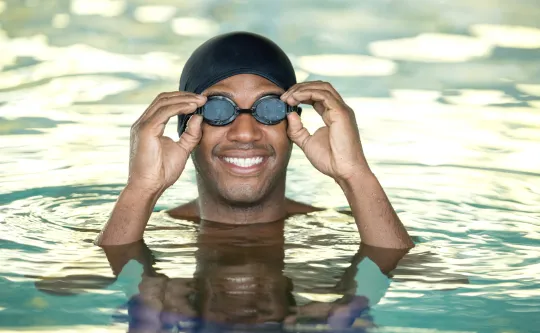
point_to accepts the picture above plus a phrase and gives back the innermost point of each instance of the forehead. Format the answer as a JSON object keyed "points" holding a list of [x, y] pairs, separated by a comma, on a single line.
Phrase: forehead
{"points": [[244, 83]]}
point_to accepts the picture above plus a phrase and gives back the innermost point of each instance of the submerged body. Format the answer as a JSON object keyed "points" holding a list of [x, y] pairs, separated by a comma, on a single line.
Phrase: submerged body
{"points": [[240, 279]]}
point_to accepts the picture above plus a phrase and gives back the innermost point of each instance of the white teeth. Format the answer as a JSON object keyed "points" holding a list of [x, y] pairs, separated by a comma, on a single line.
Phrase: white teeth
{"points": [[244, 162]]}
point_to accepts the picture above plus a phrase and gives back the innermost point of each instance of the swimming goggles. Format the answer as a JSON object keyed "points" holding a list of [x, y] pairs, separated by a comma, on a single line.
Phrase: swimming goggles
{"points": [[220, 111]]}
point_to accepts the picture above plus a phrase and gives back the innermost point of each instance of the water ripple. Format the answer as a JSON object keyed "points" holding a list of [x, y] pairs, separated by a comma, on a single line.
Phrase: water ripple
{"points": [[446, 95]]}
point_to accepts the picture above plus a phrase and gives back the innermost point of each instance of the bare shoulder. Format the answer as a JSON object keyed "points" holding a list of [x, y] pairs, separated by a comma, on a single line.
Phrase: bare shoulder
{"points": [[189, 211], [295, 207]]}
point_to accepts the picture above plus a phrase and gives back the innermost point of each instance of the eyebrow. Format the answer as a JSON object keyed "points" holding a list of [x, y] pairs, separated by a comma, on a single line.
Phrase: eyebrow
{"points": [[231, 96]]}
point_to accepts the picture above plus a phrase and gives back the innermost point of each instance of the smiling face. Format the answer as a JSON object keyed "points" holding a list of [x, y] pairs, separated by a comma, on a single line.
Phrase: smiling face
{"points": [[244, 162]]}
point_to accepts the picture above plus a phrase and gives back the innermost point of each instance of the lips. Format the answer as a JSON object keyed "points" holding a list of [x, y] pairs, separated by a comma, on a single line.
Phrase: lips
{"points": [[242, 163]]}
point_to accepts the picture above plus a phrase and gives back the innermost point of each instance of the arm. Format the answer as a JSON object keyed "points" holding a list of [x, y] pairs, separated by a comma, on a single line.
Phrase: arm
{"points": [[129, 217], [336, 151], [376, 219], [155, 163]]}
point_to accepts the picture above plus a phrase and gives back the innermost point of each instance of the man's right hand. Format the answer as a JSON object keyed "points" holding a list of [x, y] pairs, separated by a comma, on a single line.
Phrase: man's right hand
{"points": [[156, 161]]}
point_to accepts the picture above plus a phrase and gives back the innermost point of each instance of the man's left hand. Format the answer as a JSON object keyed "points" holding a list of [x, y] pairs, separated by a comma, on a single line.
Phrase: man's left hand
{"points": [[335, 149]]}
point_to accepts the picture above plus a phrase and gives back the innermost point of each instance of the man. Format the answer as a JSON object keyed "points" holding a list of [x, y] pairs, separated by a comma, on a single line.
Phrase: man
{"points": [[241, 166], [239, 97]]}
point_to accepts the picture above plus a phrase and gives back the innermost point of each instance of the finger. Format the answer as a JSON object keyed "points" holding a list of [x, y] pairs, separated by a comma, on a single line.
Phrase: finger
{"points": [[319, 85], [313, 96], [192, 135], [163, 95], [167, 95], [176, 99], [291, 90], [162, 115], [170, 98], [323, 102], [296, 130], [323, 91], [156, 123], [323, 85]]}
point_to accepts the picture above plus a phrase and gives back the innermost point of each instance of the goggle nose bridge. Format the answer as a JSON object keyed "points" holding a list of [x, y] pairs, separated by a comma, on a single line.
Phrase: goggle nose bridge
{"points": [[250, 111]]}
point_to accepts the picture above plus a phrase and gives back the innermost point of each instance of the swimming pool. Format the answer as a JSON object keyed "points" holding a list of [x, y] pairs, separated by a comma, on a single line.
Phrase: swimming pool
{"points": [[447, 96]]}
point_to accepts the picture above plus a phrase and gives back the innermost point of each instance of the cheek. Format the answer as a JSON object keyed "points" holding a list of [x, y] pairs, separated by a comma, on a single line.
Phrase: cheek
{"points": [[279, 139], [210, 137]]}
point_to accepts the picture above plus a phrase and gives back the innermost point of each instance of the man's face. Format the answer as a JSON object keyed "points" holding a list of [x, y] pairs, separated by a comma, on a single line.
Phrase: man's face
{"points": [[244, 161]]}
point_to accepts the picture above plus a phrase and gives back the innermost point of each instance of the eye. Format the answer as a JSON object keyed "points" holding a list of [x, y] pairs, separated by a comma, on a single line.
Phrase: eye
{"points": [[272, 109], [218, 109]]}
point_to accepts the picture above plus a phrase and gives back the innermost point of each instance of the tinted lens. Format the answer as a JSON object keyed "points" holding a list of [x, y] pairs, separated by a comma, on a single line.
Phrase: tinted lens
{"points": [[218, 110], [271, 110]]}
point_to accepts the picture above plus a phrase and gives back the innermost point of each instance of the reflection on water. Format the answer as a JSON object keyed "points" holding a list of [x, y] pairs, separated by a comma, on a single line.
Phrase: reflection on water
{"points": [[447, 97], [239, 280]]}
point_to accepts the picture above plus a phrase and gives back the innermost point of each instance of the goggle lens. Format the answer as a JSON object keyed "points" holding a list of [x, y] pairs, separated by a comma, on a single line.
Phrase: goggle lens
{"points": [[218, 111], [270, 111]]}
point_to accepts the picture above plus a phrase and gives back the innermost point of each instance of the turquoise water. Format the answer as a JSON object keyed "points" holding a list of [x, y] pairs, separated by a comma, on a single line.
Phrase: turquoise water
{"points": [[447, 96]]}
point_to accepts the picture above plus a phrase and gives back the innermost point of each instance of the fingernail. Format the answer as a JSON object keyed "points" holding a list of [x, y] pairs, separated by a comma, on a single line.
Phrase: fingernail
{"points": [[201, 96]]}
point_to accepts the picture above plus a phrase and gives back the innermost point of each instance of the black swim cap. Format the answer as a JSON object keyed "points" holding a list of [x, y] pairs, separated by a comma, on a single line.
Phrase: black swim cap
{"points": [[232, 54]]}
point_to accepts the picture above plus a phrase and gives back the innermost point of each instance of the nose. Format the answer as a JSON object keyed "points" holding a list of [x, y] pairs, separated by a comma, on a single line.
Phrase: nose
{"points": [[244, 129]]}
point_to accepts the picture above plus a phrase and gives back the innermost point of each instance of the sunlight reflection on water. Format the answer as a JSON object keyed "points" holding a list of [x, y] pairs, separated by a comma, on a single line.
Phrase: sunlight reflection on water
{"points": [[447, 97]]}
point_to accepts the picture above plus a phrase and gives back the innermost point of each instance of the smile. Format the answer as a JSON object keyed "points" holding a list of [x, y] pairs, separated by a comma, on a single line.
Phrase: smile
{"points": [[244, 166], [244, 162]]}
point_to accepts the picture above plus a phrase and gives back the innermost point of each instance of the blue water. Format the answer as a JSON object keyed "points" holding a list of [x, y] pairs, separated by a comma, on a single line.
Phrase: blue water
{"points": [[447, 97]]}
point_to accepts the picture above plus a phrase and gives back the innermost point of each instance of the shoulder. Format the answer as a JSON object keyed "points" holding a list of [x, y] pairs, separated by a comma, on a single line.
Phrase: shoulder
{"points": [[189, 211], [295, 207]]}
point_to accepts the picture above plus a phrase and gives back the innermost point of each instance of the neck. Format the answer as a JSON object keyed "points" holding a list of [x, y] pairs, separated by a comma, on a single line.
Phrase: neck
{"points": [[213, 207]]}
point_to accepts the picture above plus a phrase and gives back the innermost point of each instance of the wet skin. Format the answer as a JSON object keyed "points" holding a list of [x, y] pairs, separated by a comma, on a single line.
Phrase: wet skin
{"points": [[241, 167], [244, 138], [257, 188]]}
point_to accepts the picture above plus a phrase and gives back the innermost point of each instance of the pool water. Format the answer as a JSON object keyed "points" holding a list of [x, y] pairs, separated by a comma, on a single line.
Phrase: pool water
{"points": [[447, 97]]}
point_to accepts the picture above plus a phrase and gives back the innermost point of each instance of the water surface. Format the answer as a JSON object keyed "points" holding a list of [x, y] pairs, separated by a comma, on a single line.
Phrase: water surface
{"points": [[447, 97]]}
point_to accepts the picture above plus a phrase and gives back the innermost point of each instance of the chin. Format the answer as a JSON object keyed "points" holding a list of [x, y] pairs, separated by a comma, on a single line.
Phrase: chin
{"points": [[243, 194]]}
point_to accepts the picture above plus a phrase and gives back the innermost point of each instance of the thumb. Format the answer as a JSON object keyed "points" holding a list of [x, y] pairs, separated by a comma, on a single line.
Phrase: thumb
{"points": [[296, 130], [192, 135]]}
